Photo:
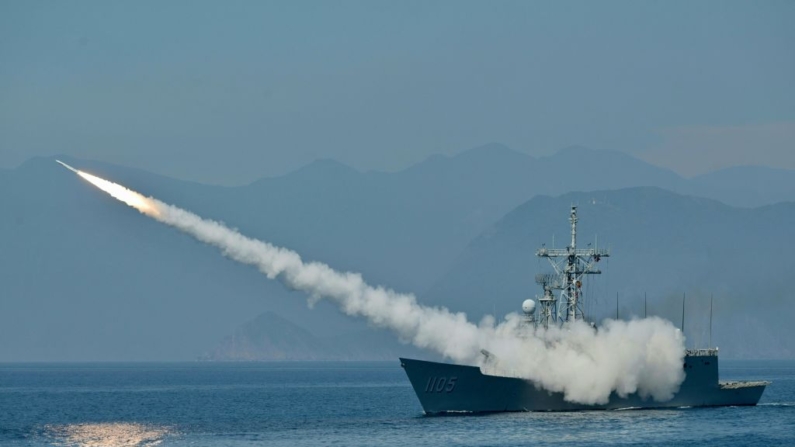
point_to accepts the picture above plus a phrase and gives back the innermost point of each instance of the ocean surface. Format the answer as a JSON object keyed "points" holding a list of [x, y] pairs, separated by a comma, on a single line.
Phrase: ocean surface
{"points": [[310, 404]]}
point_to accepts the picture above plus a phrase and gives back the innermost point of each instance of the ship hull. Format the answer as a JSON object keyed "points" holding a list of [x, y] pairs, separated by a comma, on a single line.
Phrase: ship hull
{"points": [[450, 388]]}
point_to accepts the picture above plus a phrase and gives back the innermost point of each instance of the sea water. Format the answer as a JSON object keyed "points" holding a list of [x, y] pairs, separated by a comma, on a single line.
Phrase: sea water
{"points": [[345, 403]]}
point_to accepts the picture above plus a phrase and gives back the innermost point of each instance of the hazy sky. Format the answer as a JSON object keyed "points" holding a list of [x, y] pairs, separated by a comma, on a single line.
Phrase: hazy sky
{"points": [[226, 92]]}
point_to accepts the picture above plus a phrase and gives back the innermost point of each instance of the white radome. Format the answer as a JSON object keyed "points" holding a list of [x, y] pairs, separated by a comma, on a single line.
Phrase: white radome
{"points": [[528, 306]]}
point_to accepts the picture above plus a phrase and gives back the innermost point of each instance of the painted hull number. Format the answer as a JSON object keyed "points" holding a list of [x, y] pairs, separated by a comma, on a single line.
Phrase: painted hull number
{"points": [[440, 384]]}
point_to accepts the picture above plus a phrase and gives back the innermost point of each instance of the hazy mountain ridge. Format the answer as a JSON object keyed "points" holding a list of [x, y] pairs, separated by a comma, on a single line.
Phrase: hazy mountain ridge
{"points": [[149, 293], [748, 185], [662, 244]]}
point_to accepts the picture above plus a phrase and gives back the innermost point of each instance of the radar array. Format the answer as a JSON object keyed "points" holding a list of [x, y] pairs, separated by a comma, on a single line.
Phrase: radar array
{"points": [[570, 266]]}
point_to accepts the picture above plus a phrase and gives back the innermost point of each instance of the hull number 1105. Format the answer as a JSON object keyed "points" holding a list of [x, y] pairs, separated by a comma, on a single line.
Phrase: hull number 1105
{"points": [[440, 384]]}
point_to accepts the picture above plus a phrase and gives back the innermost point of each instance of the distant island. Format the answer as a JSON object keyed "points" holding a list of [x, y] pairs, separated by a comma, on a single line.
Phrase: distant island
{"points": [[269, 337]]}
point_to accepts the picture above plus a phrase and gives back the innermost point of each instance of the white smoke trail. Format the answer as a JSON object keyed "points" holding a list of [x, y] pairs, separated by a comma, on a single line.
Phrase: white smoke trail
{"points": [[585, 364]]}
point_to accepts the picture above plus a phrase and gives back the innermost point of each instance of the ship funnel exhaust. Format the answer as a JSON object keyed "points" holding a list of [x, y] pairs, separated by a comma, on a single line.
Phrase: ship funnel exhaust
{"points": [[643, 356]]}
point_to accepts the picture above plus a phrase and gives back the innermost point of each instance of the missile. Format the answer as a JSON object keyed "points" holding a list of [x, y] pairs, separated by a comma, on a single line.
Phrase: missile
{"points": [[68, 167]]}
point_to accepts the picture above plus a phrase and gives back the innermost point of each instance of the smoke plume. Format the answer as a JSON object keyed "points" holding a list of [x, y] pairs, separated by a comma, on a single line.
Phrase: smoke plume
{"points": [[585, 364]]}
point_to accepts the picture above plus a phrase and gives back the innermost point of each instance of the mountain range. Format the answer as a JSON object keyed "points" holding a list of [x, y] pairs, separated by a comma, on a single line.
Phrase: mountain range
{"points": [[665, 248], [85, 278]]}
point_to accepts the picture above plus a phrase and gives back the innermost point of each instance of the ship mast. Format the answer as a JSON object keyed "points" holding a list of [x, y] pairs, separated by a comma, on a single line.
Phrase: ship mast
{"points": [[570, 264]]}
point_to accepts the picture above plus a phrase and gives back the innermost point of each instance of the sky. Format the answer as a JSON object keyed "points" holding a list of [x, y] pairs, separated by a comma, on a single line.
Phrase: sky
{"points": [[228, 92]]}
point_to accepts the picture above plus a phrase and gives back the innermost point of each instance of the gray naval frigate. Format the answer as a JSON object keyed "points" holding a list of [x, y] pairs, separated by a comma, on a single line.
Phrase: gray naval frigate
{"points": [[449, 388]]}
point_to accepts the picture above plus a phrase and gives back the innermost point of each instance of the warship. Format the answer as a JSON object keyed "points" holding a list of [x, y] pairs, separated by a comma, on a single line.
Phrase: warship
{"points": [[450, 388]]}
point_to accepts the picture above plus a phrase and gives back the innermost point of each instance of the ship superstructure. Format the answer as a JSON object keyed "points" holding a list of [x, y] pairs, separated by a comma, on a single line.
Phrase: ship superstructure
{"points": [[444, 387]]}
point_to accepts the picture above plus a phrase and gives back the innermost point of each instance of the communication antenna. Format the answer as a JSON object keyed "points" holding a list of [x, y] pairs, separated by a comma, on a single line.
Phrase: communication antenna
{"points": [[571, 265], [616, 305], [645, 306], [683, 313], [710, 320]]}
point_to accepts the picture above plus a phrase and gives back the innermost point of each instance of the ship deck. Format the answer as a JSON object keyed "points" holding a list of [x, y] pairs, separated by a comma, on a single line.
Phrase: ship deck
{"points": [[735, 385]]}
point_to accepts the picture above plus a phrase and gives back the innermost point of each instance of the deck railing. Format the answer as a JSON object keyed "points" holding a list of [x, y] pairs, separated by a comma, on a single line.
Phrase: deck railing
{"points": [[709, 352]]}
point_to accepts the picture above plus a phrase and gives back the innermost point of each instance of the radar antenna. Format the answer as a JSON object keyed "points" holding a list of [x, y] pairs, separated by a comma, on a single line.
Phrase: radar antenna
{"points": [[570, 266]]}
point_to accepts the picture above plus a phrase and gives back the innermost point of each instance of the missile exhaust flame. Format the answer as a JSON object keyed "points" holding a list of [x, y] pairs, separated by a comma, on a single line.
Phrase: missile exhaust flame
{"points": [[643, 356], [145, 205]]}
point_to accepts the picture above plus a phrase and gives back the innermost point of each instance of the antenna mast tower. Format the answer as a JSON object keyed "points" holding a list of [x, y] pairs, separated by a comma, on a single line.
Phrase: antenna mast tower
{"points": [[570, 264]]}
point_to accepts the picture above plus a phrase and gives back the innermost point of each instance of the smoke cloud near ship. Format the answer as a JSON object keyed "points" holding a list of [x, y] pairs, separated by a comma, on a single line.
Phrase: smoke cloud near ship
{"points": [[583, 363]]}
